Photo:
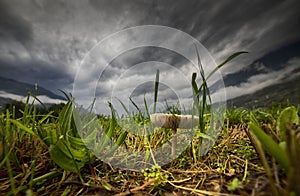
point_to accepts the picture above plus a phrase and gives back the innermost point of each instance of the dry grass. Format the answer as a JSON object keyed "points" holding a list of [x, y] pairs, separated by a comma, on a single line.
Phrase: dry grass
{"points": [[232, 157]]}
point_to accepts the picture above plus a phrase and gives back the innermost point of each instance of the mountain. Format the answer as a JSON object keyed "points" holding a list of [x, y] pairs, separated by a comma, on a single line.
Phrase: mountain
{"points": [[284, 92], [273, 61], [12, 89]]}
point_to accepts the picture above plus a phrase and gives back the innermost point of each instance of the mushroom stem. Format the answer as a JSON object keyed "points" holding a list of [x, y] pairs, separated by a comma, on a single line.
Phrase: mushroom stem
{"points": [[174, 141]]}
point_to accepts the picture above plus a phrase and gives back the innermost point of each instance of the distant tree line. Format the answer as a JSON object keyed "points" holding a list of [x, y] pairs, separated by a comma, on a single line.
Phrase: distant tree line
{"points": [[17, 108]]}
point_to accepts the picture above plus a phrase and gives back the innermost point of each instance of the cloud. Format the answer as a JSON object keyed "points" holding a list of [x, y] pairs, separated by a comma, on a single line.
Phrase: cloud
{"points": [[43, 98], [14, 26], [260, 81]]}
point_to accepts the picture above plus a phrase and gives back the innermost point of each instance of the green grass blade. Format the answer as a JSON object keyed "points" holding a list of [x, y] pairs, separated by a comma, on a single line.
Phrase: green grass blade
{"points": [[226, 61], [196, 105], [36, 98], [45, 177], [45, 117], [136, 106], [69, 97], [119, 142], [11, 177], [22, 127], [270, 146], [195, 88], [146, 107], [124, 107], [65, 117], [111, 129], [156, 90]]}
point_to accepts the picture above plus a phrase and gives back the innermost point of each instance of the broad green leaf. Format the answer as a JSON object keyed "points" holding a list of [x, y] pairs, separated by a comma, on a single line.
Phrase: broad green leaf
{"points": [[271, 146], [75, 142], [71, 152], [63, 160], [287, 116], [48, 134]]}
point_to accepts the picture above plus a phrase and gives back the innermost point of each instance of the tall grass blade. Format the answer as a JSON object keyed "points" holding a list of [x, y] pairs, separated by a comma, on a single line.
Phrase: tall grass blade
{"points": [[69, 97], [146, 107], [136, 106], [195, 88], [36, 98], [271, 146], [124, 107], [65, 117], [259, 149], [226, 61], [156, 90], [196, 105], [106, 137]]}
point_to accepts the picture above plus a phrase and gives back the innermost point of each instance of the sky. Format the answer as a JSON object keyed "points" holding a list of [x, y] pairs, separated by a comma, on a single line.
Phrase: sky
{"points": [[56, 44]]}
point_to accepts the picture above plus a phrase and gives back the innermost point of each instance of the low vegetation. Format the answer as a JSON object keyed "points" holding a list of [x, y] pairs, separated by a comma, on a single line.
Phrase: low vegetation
{"points": [[45, 152], [35, 159]]}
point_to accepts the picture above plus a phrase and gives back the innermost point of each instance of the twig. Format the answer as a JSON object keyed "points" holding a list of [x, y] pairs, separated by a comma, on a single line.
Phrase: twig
{"points": [[136, 188], [192, 171], [249, 163], [201, 192]]}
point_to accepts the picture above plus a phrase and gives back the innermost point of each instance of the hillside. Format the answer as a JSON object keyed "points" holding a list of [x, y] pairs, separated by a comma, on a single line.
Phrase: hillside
{"points": [[18, 88], [286, 91]]}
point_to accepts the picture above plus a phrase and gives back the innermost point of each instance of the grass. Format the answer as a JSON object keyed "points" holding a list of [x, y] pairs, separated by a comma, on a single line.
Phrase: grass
{"points": [[256, 153], [232, 166]]}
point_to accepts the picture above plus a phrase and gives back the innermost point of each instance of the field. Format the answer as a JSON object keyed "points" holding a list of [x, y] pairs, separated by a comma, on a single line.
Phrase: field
{"points": [[34, 162], [59, 150]]}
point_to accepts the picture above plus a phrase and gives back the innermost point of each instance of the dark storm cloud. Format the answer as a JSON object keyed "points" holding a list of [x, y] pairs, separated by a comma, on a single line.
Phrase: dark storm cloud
{"points": [[144, 54], [147, 87], [14, 26], [224, 27], [31, 72], [34, 48]]}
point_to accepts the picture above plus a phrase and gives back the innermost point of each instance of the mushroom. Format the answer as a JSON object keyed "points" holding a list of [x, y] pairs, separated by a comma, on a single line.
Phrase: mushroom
{"points": [[173, 121]]}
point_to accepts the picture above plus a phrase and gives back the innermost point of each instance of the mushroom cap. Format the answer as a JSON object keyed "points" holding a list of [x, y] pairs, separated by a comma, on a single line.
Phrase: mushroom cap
{"points": [[174, 120]]}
